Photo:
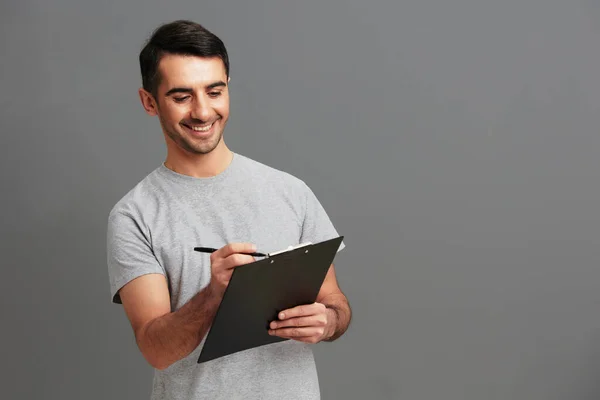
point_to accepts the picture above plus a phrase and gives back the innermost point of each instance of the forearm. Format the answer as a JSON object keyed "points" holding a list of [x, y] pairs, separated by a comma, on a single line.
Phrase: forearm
{"points": [[175, 335], [339, 316]]}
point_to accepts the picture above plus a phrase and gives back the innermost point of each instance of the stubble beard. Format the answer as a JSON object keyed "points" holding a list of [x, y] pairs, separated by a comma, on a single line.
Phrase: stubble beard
{"points": [[195, 147]]}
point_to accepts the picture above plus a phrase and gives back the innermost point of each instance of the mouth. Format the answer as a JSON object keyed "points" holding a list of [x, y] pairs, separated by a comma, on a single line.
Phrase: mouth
{"points": [[201, 131]]}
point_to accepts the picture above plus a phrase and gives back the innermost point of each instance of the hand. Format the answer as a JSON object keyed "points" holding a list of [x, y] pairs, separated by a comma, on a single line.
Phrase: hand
{"points": [[306, 323], [224, 260]]}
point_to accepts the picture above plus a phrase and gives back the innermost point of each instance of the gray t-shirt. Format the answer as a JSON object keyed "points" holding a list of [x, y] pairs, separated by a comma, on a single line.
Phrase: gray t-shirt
{"points": [[154, 228]]}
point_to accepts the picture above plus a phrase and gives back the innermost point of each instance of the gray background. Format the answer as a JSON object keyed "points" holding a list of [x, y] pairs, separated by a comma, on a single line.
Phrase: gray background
{"points": [[454, 142]]}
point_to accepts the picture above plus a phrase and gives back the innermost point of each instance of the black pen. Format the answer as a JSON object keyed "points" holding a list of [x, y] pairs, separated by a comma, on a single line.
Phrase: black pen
{"points": [[211, 250]]}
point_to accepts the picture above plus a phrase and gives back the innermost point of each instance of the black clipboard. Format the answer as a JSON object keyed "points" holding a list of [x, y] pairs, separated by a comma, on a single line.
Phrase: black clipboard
{"points": [[258, 291]]}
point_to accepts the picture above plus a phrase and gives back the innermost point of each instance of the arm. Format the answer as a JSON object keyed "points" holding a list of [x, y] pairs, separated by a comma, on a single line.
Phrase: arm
{"points": [[325, 320], [165, 337], [328, 318], [338, 309]]}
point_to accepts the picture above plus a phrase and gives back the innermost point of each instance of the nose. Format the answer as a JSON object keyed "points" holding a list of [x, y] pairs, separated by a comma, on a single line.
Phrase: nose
{"points": [[201, 110]]}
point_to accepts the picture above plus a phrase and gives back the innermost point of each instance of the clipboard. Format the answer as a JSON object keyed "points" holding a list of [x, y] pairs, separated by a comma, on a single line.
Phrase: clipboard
{"points": [[258, 291]]}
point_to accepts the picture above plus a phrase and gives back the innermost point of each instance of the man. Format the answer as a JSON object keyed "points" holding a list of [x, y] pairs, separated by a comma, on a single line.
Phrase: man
{"points": [[204, 194]]}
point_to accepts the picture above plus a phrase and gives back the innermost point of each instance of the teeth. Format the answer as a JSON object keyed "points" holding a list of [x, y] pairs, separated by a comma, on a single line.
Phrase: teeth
{"points": [[202, 128]]}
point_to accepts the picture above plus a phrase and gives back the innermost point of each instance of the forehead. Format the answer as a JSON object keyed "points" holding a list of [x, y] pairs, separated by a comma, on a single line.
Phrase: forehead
{"points": [[190, 71]]}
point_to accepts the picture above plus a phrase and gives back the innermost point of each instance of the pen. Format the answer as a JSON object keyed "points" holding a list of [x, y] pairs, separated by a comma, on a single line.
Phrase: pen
{"points": [[211, 250]]}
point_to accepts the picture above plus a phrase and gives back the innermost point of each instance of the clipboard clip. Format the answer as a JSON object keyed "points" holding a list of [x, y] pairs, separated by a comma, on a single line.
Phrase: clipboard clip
{"points": [[290, 248]]}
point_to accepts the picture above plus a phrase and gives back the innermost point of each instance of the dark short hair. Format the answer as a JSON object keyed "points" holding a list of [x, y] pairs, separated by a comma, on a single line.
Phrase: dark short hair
{"points": [[180, 37]]}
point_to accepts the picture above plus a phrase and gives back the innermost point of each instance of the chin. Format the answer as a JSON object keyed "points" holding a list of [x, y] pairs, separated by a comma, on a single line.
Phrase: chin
{"points": [[204, 148]]}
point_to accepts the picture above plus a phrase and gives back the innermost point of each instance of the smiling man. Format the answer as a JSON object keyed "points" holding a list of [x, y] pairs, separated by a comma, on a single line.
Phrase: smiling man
{"points": [[206, 194]]}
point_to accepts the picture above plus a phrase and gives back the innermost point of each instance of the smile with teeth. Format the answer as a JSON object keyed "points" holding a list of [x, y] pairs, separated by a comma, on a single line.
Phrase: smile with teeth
{"points": [[201, 128]]}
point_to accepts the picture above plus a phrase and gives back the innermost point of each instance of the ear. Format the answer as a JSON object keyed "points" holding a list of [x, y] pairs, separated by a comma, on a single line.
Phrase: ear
{"points": [[228, 79], [148, 102]]}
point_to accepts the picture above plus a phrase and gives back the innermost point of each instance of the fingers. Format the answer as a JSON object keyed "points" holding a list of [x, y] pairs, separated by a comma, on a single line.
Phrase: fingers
{"points": [[314, 321], [233, 248], [302, 311], [306, 334], [306, 323], [225, 259], [235, 260], [233, 255]]}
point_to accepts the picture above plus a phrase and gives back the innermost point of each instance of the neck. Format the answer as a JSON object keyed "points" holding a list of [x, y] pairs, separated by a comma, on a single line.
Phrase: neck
{"points": [[199, 165]]}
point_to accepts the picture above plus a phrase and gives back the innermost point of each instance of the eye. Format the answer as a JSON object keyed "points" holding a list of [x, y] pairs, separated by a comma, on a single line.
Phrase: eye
{"points": [[214, 94], [181, 99]]}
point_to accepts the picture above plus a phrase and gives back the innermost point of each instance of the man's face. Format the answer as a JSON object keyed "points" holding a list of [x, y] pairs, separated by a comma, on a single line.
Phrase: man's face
{"points": [[193, 101]]}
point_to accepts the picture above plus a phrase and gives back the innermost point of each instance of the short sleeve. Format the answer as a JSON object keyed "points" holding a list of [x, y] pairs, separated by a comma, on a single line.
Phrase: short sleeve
{"points": [[129, 252], [316, 226]]}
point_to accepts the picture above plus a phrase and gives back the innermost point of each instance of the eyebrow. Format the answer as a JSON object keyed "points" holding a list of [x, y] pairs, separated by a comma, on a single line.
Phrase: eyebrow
{"points": [[216, 84], [190, 90]]}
